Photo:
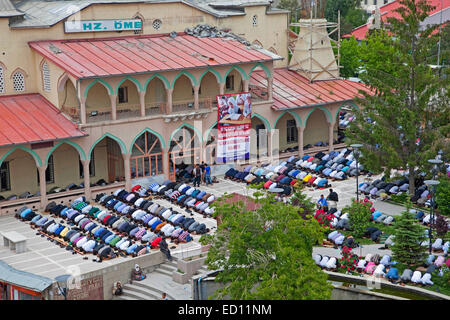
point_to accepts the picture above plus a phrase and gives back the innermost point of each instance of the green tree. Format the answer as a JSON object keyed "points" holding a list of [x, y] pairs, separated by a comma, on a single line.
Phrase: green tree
{"points": [[293, 6], [358, 217], [352, 15], [408, 106], [443, 196], [350, 57], [266, 253], [408, 235]]}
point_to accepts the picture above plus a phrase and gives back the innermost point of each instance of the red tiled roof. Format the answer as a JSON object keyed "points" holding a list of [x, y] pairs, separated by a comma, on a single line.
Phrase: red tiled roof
{"points": [[388, 10], [30, 118], [291, 90], [86, 58]]}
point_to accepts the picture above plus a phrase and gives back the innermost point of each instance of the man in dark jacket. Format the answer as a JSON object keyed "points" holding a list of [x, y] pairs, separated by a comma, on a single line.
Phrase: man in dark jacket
{"points": [[164, 248]]}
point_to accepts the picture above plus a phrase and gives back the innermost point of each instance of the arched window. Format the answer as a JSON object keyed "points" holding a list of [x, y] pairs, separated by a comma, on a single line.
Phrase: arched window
{"points": [[255, 20], [142, 24], [18, 81], [2, 80], [46, 77]]}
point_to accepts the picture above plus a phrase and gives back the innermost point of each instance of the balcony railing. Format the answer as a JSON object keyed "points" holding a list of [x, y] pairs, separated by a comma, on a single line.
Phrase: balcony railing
{"points": [[188, 105], [96, 116], [129, 112], [155, 108]]}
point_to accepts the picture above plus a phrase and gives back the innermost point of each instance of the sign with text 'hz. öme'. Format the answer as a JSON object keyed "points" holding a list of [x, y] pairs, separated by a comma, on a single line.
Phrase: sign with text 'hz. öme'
{"points": [[102, 25]]}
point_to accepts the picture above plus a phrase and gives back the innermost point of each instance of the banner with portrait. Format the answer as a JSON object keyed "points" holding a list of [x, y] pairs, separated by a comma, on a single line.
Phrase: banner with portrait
{"points": [[233, 127]]}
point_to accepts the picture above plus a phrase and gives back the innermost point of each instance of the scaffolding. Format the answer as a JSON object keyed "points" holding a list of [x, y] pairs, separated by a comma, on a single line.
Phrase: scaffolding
{"points": [[313, 54]]}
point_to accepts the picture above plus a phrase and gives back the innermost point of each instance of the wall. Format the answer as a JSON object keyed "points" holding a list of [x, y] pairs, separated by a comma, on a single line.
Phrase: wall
{"points": [[316, 128], [271, 32]]}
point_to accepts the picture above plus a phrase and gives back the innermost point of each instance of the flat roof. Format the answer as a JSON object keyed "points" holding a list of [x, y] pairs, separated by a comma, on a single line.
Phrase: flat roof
{"points": [[93, 58], [30, 118], [292, 90]]}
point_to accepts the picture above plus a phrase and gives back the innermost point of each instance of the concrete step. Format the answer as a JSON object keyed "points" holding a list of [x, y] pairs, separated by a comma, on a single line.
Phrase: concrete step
{"points": [[122, 297], [134, 295], [144, 290], [172, 263], [167, 267], [152, 290], [164, 271]]}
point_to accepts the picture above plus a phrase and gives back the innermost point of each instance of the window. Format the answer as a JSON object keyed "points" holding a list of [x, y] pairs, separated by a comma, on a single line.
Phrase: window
{"points": [[255, 20], [18, 81], [123, 94], [142, 26], [291, 134], [2, 80], [49, 172], [374, 2], [157, 24], [5, 183], [229, 83], [365, 2], [385, 1], [46, 76], [91, 167]]}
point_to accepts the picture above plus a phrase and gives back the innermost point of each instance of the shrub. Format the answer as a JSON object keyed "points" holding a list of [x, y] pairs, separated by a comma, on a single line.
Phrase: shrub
{"points": [[400, 198], [441, 226], [324, 218], [348, 260], [359, 217], [443, 197]]}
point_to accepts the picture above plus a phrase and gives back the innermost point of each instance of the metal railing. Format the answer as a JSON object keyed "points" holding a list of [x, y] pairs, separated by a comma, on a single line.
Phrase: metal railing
{"points": [[72, 112]]}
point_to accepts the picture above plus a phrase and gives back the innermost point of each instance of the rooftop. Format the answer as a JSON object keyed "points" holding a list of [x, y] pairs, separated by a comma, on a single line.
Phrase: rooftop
{"points": [[291, 90], [91, 58], [30, 118]]}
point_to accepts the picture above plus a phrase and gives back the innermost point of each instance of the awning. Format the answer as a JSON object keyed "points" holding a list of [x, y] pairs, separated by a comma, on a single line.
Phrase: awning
{"points": [[291, 90], [30, 118], [23, 279], [94, 58]]}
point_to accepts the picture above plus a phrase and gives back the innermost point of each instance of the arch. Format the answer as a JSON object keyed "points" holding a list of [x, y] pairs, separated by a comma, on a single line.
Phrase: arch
{"points": [[73, 144], [257, 43], [264, 120], [351, 103], [186, 73], [122, 145], [19, 69], [327, 114], [213, 71], [160, 77], [273, 50], [207, 132], [161, 139], [103, 82], [35, 156], [266, 70], [137, 83], [62, 81], [239, 69], [200, 137], [297, 118]]}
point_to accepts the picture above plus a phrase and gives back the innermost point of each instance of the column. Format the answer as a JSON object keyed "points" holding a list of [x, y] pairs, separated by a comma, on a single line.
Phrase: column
{"points": [[222, 88], [87, 179], [127, 169], [330, 136], [169, 101], [113, 99], [42, 186], [142, 102], [269, 144], [83, 112], [165, 159], [300, 141], [245, 85], [269, 88], [196, 102]]}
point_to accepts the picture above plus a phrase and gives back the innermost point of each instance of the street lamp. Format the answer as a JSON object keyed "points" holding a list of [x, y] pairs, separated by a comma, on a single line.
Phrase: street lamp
{"points": [[356, 154], [431, 184]]}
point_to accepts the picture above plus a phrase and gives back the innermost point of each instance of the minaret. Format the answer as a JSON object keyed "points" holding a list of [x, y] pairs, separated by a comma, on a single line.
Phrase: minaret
{"points": [[313, 55]]}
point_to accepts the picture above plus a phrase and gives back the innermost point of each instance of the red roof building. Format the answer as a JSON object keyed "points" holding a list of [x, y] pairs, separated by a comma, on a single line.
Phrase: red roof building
{"points": [[388, 10]]}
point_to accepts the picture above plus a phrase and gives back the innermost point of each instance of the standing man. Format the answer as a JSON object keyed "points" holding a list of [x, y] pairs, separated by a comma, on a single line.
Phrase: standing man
{"points": [[208, 174], [333, 199], [197, 172], [164, 248]]}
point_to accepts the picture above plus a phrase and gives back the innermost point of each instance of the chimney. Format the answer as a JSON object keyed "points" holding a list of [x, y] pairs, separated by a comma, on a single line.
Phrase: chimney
{"points": [[313, 55]]}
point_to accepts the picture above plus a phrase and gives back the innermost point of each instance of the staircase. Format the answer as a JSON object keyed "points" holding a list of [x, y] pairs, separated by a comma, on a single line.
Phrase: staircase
{"points": [[157, 282]]}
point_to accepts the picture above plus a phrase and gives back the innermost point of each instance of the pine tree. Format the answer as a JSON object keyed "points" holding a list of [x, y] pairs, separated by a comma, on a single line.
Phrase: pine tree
{"points": [[408, 236], [403, 122]]}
